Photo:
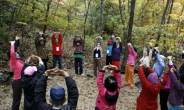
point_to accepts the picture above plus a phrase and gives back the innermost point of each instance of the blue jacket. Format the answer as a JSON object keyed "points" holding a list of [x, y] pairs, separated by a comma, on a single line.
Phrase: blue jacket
{"points": [[109, 47], [116, 51], [158, 67], [109, 50]]}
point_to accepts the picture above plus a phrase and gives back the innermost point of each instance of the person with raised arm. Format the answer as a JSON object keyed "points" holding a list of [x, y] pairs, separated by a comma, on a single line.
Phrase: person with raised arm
{"points": [[57, 93]]}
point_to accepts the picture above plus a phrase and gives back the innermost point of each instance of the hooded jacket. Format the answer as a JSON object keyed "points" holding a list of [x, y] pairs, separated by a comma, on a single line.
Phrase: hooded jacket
{"points": [[105, 99], [147, 99], [28, 84], [57, 47]]}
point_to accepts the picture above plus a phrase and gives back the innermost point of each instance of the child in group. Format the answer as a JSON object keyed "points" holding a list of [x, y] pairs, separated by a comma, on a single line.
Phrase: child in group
{"points": [[30, 75], [97, 54], [116, 51], [16, 65], [176, 95], [109, 90], [111, 40], [147, 99], [78, 49], [129, 69]]}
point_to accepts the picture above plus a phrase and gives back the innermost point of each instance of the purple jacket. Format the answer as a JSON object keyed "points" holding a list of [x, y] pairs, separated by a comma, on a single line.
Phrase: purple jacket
{"points": [[101, 102], [177, 92], [116, 51], [131, 56]]}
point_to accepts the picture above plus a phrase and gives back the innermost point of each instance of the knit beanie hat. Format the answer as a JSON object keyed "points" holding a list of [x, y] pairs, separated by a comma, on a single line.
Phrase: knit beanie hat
{"points": [[153, 78], [57, 93], [30, 70]]}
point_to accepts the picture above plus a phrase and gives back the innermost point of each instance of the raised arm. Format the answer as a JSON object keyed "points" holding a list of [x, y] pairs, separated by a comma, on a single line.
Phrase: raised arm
{"points": [[142, 76], [159, 60], [12, 55], [120, 46], [40, 94], [178, 85]]}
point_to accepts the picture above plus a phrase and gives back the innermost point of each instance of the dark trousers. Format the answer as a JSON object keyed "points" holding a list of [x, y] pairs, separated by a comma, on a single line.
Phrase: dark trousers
{"points": [[45, 63], [17, 92], [59, 59], [108, 60], [78, 62], [163, 99]]}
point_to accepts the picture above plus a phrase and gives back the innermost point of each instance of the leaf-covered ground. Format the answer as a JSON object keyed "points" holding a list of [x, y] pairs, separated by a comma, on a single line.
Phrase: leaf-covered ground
{"points": [[86, 85]]}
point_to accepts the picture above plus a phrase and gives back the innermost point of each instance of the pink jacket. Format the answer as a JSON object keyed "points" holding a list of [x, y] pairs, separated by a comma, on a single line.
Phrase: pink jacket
{"points": [[15, 65], [101, 102], [131, 56]]}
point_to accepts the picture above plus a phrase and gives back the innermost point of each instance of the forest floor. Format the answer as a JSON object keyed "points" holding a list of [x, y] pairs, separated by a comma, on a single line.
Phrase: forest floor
{"points": [[86, 85]]}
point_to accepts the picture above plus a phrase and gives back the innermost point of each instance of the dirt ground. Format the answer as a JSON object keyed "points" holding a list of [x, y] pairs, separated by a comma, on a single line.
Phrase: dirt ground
{"points": [[87, 92]]}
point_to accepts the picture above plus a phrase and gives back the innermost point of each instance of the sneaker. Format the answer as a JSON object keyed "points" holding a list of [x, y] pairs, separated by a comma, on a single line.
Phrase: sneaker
{"points": [[82, 74]]}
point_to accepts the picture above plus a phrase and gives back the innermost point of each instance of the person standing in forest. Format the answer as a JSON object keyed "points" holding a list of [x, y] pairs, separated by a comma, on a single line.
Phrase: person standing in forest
{"points": [[116, 51], [57, 41], [158, 66], [57, 93], [16, 65], [97, 54], [167, 84], [176, 95], [78, 52], [42, 51], [129, 69], [109, 89], [111, 40], [97, 40], [30, 75], [147, 99]]}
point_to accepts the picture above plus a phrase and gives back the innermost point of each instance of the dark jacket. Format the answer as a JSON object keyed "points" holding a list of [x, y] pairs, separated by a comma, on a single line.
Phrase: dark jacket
{"points": [[40, 92], [116, 51], [181, 69], [28, 84]]}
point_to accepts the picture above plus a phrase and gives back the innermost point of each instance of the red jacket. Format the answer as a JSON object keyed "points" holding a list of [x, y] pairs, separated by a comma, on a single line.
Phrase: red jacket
{"points": [[57, 47], [147, 99]]}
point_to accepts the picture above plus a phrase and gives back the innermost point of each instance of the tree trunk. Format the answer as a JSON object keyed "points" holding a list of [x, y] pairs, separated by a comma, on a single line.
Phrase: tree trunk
{"points": [[163, 20], [128, 37], [131, 21], [102, 9], [168, 20], [47, 14], [86, 16]]}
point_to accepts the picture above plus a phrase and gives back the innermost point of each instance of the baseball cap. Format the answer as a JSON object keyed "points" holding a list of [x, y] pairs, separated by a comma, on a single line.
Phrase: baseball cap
{"points": [[57, 93]]}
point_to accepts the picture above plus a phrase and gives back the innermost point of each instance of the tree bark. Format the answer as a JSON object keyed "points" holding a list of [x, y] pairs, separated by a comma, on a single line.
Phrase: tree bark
{"points": [[102, 20], [131, 21], [47, 14]]}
